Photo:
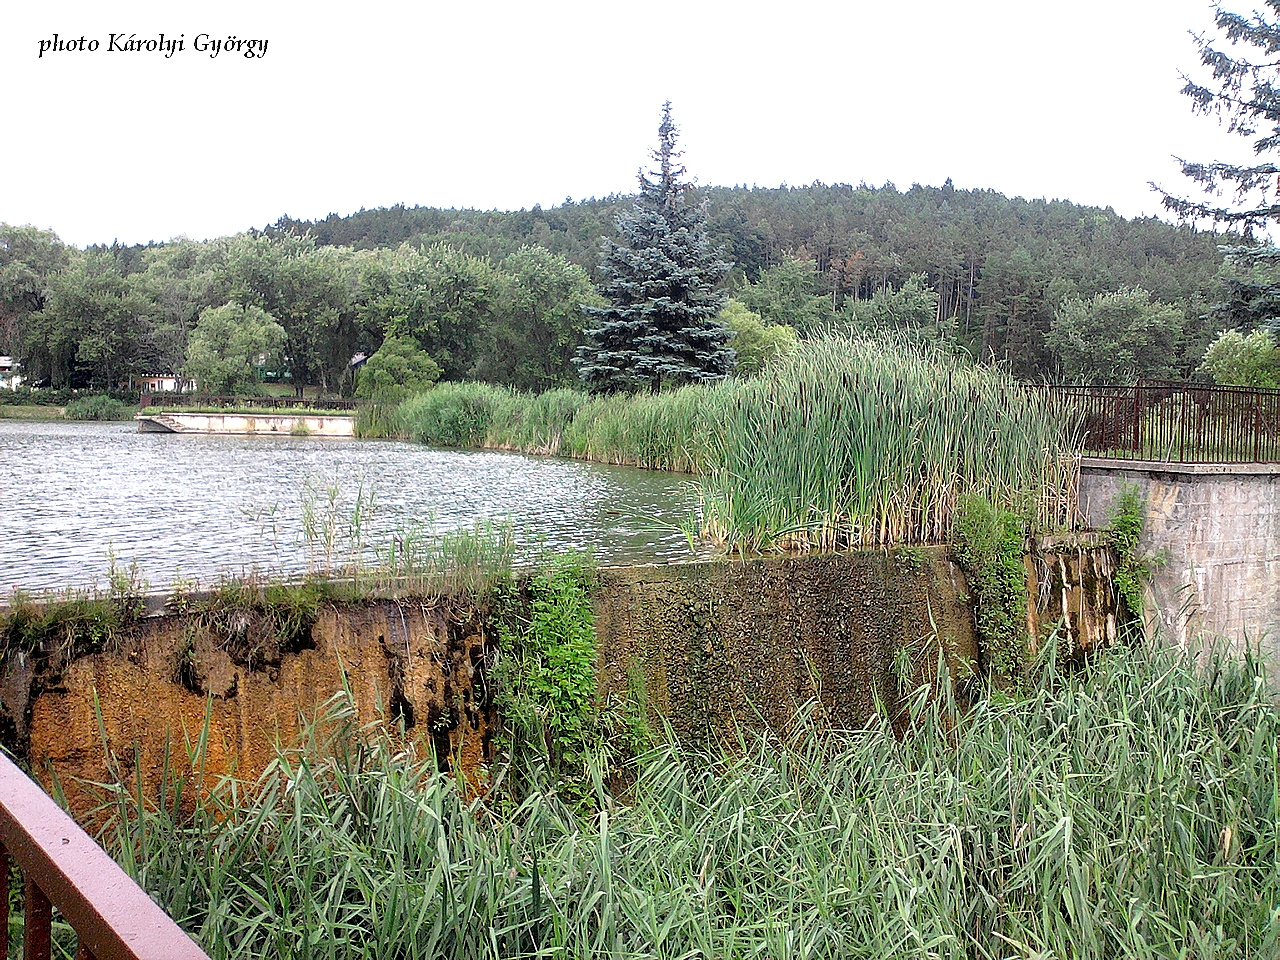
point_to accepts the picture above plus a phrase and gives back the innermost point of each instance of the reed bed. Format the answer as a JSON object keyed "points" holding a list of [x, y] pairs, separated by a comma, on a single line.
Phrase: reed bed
{"points": [[452, 414], [1128, 810], [854, 443], [666, 431], [849, 442]]}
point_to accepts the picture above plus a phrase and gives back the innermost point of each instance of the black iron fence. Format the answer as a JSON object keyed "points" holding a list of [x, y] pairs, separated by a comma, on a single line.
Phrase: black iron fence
{"points": [[1176, 422]]}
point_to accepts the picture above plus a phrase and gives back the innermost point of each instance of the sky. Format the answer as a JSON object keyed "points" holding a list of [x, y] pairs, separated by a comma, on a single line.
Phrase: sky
{"points": [[510, 104]]}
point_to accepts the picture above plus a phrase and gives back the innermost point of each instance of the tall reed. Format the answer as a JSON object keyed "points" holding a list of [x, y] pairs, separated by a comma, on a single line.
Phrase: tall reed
{"points": [[1130, 810], [848, 442], [852, 442], [665, 431]]}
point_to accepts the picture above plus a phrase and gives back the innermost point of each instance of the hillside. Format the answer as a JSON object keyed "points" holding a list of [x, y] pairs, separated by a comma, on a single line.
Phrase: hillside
{"points": [[1000, 265]]}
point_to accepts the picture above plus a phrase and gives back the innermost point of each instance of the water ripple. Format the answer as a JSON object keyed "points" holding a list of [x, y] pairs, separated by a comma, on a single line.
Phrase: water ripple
{"points": [[196, 506]]}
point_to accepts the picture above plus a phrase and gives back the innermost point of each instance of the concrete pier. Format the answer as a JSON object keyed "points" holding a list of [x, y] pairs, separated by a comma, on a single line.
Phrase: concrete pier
{"points": [[247, 423]]}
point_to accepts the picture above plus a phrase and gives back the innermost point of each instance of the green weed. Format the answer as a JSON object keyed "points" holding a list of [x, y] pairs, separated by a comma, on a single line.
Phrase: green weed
{"points": [[1133, 570], [990, 544], [1129, 809]]}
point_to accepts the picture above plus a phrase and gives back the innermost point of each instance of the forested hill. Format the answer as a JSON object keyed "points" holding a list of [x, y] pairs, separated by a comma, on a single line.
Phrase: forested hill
{"points": [[999, 265], [498, 295]]}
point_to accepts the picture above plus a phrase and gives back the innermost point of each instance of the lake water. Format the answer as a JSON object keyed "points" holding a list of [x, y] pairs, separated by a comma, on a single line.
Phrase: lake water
{"points": [[197, 507]]}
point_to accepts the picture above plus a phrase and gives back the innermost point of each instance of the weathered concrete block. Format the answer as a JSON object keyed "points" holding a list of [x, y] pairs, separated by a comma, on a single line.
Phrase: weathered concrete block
{"points": [[1216, 527]]}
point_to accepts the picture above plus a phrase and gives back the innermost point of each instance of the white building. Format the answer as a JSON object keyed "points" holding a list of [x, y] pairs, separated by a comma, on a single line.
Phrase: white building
{"points": [[164, 383], [10, 378]]}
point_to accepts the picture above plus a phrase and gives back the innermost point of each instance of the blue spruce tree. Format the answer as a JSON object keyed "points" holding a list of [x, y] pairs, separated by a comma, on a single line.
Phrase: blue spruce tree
{"points": [[661, 283]]}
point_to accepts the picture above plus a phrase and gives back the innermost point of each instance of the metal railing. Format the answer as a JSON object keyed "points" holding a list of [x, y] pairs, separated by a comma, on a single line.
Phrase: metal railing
{"points": [[232, 403], [1176, 422], [62, 867]]}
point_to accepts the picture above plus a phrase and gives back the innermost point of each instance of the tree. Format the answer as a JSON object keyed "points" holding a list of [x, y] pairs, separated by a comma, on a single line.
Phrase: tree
{"points": [[307, 290], [1118, 337], [755, 343], [28, 258], [226, 345], [180, 279], [537, 327], [399, 365], [1243, 361], [661, 283], [785, 294], [912, 309], [1249, 287], [443, 298], [1244, 93], [94, 329]]}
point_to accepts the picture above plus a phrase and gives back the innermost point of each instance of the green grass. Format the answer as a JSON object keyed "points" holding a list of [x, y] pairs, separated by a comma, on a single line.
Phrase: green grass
{"points": [[1129, 810], [29, 412], [453, 414], [418, 561], [63, 626]]}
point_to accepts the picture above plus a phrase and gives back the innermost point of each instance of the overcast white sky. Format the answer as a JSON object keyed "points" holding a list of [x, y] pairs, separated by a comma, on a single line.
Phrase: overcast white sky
{"points": [[508, 104]]}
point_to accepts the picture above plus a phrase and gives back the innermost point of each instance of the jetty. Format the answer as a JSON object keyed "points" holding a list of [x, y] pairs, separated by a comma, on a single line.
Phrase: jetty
{"points": [[288, 425]]}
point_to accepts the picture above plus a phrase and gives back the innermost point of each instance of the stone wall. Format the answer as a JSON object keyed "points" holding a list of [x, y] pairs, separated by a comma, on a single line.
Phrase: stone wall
{"points": [[713, 644], [756, 640], [1070, 588], [1214, 531]]}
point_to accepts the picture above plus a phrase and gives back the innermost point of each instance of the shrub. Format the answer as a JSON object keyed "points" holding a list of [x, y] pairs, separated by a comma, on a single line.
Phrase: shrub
{"points": [[452, 414], [96, 408]]}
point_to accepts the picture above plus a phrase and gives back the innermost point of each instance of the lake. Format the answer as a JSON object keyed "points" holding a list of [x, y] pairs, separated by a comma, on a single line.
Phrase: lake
{"points": [[197, 507]]}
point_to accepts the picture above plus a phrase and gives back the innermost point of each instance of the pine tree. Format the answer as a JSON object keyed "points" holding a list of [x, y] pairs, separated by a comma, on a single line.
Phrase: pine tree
{"points": [[1244, 91], [661, 283]]}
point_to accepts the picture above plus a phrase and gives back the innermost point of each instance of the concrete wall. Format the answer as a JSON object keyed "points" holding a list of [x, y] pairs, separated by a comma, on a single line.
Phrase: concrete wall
{"points": [[715, 643], [250, 423], [755, 640], [1216, 527]]}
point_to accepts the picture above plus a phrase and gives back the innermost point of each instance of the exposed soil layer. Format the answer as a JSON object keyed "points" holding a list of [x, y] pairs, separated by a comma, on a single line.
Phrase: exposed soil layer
{"points": [[173, 680], [715, 644]]}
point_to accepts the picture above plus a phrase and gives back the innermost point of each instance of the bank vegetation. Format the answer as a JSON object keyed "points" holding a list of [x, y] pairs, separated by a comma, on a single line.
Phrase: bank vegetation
{"points": [[845, 442], [1129, 809]]}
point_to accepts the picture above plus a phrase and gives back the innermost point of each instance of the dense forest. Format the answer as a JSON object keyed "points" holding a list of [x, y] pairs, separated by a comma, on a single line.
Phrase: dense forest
{"points": [[496, 295], [1000, 266]]}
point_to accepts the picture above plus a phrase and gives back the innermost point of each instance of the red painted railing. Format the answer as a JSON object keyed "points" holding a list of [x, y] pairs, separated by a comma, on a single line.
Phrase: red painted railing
{"points": [[62, 867]]}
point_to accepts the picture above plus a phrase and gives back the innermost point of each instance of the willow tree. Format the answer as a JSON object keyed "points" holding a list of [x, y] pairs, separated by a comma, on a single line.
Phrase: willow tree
{"points": [[661, 281]]}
